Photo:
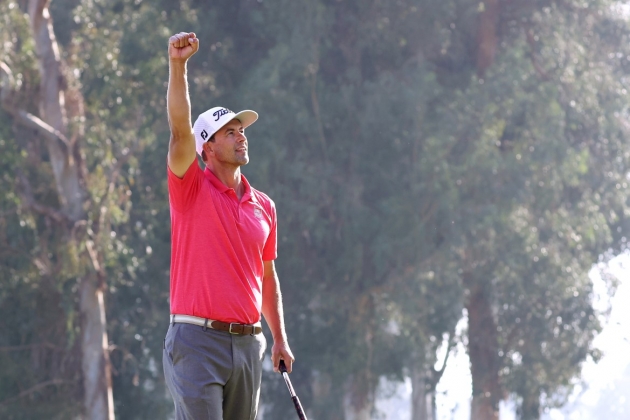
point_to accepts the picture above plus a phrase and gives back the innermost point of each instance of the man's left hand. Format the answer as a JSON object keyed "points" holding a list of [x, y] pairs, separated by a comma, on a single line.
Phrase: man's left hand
{"points": [[281, 350]]}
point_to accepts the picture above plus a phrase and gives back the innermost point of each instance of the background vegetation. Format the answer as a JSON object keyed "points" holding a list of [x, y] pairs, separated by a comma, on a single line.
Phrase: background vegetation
{"points": [[429, 160]]}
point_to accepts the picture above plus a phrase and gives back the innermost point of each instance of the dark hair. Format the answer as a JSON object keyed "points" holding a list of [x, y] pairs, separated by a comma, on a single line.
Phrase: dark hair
{"points": [[203, 152]]}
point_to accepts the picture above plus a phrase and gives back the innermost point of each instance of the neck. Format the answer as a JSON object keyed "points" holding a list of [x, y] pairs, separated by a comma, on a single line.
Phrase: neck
{"points": [[230, 176]]}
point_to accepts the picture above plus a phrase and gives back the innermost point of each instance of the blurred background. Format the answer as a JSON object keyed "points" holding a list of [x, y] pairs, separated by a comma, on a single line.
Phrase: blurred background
{"points": [[451, 179]]}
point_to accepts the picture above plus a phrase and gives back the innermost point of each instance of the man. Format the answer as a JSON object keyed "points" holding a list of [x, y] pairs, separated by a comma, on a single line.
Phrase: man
{"points": [[222, 260]]}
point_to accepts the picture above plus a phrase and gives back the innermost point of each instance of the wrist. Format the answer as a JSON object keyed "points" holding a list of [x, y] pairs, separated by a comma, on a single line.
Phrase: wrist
{"points": [[177, 62], [280, 339]]}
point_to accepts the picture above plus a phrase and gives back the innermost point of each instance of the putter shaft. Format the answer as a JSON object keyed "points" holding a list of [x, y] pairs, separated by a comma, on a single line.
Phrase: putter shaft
{"points": [[296, 400]]}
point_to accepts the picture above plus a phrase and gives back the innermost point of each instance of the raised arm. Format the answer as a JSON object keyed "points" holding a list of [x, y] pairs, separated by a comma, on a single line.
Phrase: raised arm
{"points": [[181, 148]]}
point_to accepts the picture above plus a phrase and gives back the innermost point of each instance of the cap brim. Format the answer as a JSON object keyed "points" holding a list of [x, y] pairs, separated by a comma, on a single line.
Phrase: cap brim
{"points": [[246, 117]]}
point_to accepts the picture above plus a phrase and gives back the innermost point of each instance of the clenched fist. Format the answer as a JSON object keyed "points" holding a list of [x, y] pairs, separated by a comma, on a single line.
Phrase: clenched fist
{"points": [[182, 46]]}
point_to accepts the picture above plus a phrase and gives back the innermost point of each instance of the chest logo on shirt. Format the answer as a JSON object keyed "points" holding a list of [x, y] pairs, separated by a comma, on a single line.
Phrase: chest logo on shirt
{"points": [[258, 213]]}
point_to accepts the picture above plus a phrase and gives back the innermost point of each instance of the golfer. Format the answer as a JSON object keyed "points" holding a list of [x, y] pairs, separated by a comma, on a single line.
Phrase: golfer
{"points": [[222, 260]]}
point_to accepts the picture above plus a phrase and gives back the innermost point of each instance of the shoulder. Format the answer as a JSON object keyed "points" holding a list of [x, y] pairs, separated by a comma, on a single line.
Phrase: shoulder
{"points": [[193, 170], [263, 198], [183, 191]]}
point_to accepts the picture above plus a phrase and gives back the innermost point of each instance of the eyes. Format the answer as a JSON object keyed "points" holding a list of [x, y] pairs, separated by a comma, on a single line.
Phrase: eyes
{"points": [[231, 132]]}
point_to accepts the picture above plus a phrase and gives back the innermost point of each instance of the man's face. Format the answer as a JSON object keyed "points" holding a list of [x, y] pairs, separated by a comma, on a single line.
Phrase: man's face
{"points": [[230, 144]]}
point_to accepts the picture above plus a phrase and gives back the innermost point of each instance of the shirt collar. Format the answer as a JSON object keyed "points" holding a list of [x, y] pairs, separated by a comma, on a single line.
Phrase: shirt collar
{"points": [[222, 188]]}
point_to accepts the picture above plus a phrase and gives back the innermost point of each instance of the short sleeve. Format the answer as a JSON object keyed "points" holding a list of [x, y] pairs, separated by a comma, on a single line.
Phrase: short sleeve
{"points": [[182, 192], [270, 250]]}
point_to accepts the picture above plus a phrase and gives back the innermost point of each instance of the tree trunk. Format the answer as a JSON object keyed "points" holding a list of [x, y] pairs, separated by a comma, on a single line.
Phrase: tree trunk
{"points": [[98, 399], [530, 407], [327, 397], [358, 402], [52, 110], [483, 351], [487, 35], [422, 396]]}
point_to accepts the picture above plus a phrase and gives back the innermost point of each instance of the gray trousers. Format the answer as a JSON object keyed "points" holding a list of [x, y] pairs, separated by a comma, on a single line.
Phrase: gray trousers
{"points": [[213, 375]]}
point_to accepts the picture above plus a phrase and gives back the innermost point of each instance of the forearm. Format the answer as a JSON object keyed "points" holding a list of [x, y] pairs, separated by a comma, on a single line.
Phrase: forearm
{"points": [[272, 308], [181, 147], [178, 99]]}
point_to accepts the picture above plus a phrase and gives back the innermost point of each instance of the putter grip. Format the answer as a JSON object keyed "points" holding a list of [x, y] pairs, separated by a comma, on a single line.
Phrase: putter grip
{"points": [[298, 408]]}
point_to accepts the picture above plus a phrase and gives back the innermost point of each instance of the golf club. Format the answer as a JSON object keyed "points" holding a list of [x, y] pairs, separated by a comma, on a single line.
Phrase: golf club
{"points": [[296, 400]]}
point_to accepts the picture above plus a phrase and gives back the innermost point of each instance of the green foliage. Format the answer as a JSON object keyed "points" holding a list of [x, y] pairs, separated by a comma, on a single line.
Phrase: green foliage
{"points": [[37, 332], [396, 166]]}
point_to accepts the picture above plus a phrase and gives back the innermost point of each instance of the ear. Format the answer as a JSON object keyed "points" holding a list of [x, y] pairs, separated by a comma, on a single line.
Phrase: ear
{"points": [[207, 150]]}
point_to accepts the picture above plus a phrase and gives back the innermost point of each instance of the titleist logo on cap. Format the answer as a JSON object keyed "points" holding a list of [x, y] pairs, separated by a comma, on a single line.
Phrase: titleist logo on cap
{"points": [[221, 112], [209, 122]]}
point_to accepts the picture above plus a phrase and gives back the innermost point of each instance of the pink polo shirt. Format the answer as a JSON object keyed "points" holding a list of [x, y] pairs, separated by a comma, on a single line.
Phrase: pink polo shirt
{"points": [[218, 247]]}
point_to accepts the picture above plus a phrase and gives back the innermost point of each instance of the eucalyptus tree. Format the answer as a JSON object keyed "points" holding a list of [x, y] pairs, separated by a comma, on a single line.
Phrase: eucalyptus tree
{"points": [[59, 131], [339, 145], [425, 157], [71, 189], [538, 158], [406, 144]]}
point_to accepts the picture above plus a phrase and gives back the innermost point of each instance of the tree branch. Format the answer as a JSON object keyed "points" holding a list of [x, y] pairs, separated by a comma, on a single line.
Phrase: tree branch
{"points": [[436, 375], [12, 211], [31, 346], [25, 118], [32, 390], [532, 56], [31, 121], [6, 82], [26, 192]]}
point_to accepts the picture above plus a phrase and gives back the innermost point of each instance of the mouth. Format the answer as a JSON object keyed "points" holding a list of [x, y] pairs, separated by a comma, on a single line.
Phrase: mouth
{"points": [[241, 149]]}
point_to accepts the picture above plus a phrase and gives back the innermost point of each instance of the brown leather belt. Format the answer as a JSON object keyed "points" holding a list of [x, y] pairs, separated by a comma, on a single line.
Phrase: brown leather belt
{"points": [[231, 327]]}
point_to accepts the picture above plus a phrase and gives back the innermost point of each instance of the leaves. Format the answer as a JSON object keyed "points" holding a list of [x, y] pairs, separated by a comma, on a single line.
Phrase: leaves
{"points": [[397, 171]]}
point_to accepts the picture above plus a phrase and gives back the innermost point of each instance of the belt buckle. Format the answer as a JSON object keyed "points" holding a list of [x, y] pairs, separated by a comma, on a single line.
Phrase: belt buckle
{"points": [[230, 329]]}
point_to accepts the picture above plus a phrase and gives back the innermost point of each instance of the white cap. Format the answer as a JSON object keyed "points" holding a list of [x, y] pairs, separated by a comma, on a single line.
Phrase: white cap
{"points": [[213, 119]]}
